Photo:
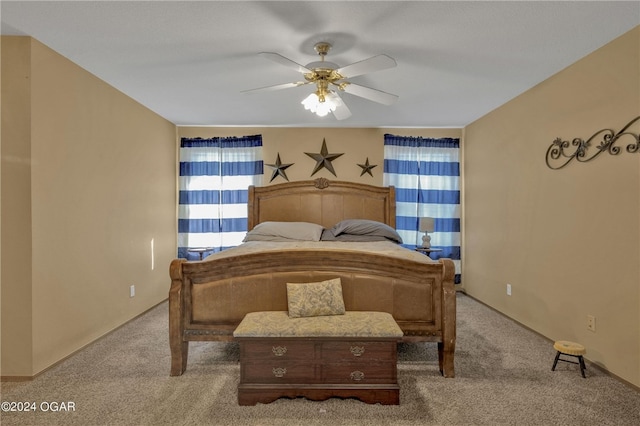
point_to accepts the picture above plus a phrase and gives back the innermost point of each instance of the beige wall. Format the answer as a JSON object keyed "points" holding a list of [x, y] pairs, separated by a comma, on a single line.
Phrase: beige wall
{"points": [[568, 241], [15, 205], [93, 173], [357, 144]]}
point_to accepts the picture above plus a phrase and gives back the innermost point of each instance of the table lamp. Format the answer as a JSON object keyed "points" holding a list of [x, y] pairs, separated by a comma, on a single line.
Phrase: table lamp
{"points": [[426, 225]]}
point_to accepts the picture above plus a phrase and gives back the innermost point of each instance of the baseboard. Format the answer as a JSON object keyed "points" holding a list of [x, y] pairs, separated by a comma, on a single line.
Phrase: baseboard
{"points": [[16, 378], [551, 342], [30, 378]]}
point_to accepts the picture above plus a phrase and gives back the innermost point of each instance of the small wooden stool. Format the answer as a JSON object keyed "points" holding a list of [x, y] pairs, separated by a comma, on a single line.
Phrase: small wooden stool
{"points": [[576, 350]]}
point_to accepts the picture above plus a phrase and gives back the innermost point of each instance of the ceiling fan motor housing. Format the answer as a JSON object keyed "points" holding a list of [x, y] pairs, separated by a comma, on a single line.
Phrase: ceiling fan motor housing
{"points": [[322, 72]]}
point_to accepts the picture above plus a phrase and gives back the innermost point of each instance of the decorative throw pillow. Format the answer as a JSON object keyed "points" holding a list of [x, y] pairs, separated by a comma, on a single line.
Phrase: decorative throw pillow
{"points": [[315, 299]]}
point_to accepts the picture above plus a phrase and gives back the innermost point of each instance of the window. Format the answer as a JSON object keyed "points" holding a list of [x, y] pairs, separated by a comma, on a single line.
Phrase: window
{"points": [[426, 175], [215, 175]]}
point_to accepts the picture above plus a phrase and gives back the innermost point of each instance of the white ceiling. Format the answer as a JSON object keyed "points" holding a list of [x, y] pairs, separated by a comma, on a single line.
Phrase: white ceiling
{"points": [[189, 60]]}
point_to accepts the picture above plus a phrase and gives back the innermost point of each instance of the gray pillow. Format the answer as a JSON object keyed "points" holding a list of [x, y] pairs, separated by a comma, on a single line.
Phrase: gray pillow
{"points": [[351, 238], [285, 231], [364, 227]]}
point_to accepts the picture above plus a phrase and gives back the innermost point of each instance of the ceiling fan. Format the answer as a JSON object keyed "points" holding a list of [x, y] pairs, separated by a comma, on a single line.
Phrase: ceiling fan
{"points": [[327, 76]]}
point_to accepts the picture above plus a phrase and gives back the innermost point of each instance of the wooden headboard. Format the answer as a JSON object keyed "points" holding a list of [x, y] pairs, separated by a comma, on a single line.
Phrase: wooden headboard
{"points": [[321, 201]]}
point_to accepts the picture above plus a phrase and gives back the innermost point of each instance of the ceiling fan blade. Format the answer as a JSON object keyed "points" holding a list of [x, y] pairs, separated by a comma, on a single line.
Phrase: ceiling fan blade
{"points": [[342, 111], [368, 93], [276, 87], [375, 63], [276, 57]]}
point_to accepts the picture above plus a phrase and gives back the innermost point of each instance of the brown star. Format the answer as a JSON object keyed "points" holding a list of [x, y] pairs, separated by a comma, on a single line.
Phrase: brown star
{"points": [[366, 167], [279, 169], [324, 159]]}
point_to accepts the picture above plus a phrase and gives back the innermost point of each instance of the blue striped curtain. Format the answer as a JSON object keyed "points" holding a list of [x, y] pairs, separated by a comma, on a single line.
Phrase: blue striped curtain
{"points": [[426, 174], [215, 175]]}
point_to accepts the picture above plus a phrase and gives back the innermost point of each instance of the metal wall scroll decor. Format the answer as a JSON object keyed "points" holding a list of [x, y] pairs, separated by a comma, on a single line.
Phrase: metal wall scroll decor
{"points": [[558, 156]]}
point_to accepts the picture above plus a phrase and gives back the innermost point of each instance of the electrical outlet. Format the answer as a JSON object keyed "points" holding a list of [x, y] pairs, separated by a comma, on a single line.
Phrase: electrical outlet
{"points": [[132, 291], [591, 323], [508, 289]]}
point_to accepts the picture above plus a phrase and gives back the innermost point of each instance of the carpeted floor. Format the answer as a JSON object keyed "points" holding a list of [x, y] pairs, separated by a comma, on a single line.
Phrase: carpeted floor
{"points": [[503, 377]]}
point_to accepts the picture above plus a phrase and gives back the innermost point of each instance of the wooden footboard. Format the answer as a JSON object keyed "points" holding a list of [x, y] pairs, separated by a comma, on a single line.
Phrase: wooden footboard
{"points": [[208, 299]]}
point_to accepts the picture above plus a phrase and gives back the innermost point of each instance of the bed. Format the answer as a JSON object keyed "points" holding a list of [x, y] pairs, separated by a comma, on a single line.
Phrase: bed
{"points": [[209, 298]]}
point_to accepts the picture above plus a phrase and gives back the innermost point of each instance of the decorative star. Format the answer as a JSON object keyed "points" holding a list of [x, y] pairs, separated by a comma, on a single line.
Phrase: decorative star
{"points": [[366, 167], [279, 169], [324, 159]]}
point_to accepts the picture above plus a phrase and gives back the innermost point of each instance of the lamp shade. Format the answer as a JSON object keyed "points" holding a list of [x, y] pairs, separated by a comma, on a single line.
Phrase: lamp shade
{"points": [[426, 224], [322, 106]]}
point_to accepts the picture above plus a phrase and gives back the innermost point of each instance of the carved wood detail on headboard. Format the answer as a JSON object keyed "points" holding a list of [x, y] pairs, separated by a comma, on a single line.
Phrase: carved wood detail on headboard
{"points": [[321, 183]]}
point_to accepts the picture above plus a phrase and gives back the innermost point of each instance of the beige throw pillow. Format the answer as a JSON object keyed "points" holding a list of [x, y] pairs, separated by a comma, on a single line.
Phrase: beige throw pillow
{"points": [[315, 299]]}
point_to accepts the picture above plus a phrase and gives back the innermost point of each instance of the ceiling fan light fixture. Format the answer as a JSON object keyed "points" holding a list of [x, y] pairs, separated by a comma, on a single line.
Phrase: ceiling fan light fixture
{"points": [[322, 104]]}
